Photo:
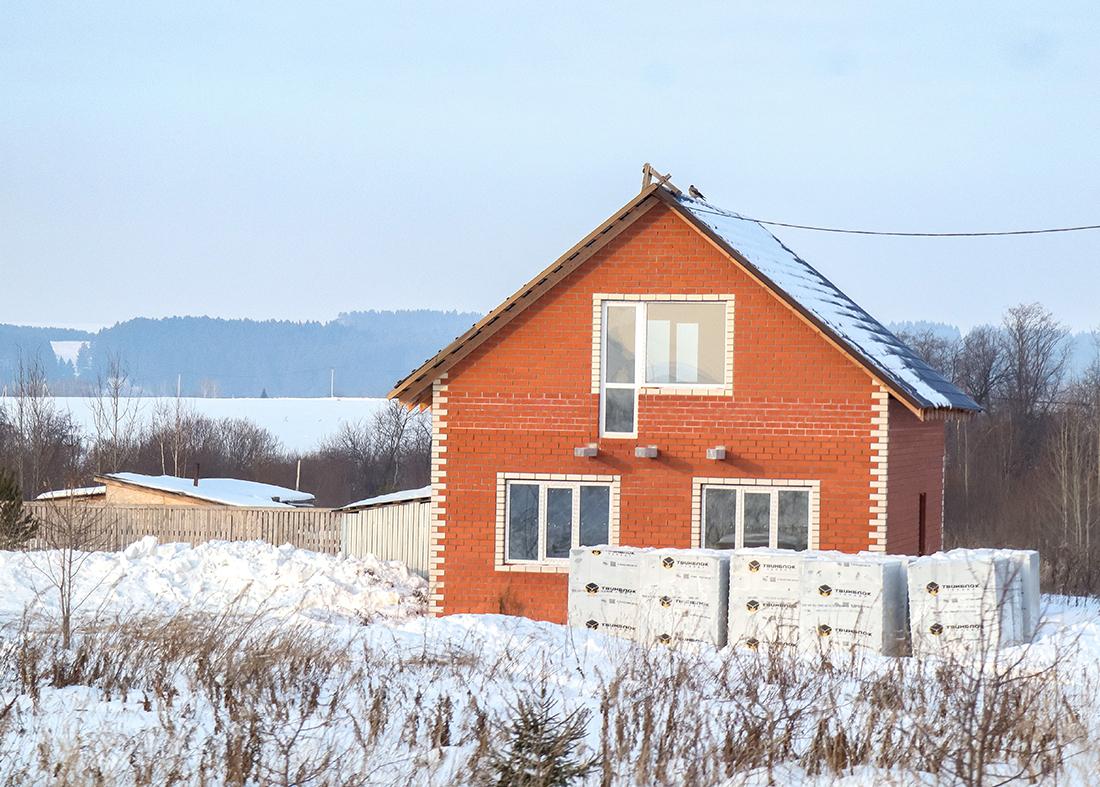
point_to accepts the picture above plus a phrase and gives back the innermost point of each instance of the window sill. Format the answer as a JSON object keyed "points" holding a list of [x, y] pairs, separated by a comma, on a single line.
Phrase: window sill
{"points": [[686, 390], [535, 568]]}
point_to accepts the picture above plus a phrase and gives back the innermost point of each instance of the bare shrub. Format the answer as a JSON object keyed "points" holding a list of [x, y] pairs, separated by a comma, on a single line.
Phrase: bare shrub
{"points": [[241, 699]]}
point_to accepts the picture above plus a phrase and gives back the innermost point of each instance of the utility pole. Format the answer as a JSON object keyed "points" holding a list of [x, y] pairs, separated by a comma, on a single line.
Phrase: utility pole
{"points": [[331, 383], [179, 384]]}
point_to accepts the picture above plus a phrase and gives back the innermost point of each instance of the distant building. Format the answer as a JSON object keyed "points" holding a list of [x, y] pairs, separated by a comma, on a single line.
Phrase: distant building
{"points": [[135, 489]]}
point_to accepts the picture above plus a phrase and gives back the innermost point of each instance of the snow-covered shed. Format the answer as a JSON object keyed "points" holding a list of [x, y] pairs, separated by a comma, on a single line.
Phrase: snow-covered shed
{"points": [[167, 490]]}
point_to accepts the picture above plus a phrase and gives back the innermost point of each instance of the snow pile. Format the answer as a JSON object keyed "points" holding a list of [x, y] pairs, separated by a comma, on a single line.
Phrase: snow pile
{"points": [[245, 577]]}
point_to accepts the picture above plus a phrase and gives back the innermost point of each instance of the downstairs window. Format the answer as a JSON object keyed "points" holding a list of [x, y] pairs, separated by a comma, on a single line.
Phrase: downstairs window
{"points": [[756, 516], [545, 519]]}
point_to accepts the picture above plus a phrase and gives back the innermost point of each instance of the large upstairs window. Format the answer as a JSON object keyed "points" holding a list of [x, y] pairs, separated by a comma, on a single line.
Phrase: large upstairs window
{"points": [[657, 344]]}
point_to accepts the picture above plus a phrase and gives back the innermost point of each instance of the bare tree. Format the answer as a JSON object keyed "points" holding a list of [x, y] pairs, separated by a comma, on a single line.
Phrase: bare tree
{"points": [[69, 533], [391, 435], [1036, 352], [44, 440], [246, 445], [115, 413], [980, 364], [939, 352]]}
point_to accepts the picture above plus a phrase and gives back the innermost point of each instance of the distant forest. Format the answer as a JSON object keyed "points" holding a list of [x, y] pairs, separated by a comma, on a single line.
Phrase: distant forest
{"points": [[365, 352]]}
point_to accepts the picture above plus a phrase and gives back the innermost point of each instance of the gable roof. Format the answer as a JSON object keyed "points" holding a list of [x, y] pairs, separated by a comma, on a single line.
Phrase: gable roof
{"points": [[793, 280], [224, 491]]}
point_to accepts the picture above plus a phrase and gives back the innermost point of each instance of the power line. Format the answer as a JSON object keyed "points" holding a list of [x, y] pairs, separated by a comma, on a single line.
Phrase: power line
{"points": [[843, 231]]}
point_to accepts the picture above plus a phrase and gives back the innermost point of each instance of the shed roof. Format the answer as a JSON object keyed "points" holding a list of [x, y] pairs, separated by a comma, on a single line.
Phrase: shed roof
{"points": [[404, 496], [80, 491], [225, 491], [865, 340]]}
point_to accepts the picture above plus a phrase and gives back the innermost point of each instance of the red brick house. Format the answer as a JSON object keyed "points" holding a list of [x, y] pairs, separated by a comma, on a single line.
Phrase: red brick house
{"points": [[678, 378]]}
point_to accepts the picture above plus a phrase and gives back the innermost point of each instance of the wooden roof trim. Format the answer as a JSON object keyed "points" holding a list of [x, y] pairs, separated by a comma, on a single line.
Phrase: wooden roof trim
{"points": [[415, 389], [800, 311]]}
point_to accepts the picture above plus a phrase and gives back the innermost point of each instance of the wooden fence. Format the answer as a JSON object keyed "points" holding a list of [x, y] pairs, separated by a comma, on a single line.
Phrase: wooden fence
{"points": [[119, 526], [394, 532]]}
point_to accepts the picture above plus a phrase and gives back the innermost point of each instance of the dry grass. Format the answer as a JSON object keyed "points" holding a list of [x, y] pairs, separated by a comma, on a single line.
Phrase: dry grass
{"points": [[229, 700]]}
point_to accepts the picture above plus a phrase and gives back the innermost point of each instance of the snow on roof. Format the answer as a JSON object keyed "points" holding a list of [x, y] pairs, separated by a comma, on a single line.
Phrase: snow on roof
{"points": [[861, 333], [423, 493], [228, 491], [80, 491]]}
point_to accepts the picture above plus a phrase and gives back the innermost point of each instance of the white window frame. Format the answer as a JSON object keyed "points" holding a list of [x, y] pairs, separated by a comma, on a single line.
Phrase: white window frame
{"points": [[641, 385], [639, 370], [751, 485], [544, 482]]}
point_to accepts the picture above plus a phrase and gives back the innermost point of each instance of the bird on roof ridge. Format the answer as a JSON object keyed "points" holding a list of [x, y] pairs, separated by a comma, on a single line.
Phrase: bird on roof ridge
{"points": [[695, 192]]}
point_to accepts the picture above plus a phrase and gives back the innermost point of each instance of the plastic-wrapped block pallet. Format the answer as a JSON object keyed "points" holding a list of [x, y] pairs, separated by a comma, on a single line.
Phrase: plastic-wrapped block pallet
{"points": [[765, 589], [603, 589], [854, 602], [683, 597], [969, 598]]}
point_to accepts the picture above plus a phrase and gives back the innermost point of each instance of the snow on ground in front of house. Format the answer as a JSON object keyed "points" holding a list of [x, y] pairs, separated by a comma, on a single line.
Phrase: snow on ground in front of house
{"points": [[300, 424], [402, 661], [248, 577]]}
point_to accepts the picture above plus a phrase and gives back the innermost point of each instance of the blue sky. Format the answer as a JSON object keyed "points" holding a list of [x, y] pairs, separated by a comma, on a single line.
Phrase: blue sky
{"points": [[298, 160]]}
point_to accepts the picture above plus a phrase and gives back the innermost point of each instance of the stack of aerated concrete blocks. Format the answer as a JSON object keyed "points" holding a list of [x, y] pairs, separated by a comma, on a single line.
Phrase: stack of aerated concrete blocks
{"points": [[765, 595], [973, 599], [751, 597], [683, 597], [603, 589], [854, 601]]}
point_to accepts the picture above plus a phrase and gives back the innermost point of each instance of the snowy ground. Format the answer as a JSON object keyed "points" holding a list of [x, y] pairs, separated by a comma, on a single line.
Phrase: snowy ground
{"points": [[299, 424], [278, 665]]}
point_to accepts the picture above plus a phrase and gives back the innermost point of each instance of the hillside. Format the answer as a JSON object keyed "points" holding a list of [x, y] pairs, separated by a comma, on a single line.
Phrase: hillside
{"points": [[357, 354]]}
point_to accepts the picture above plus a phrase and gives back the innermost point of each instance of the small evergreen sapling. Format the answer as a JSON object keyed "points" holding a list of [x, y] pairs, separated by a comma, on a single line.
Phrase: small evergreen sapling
{"points": [[17, 526], [540, 748]]}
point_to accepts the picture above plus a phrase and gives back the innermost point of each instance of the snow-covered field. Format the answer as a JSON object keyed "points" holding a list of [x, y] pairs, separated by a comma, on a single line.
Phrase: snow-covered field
{"points": [[247, 663], [300, 424]]}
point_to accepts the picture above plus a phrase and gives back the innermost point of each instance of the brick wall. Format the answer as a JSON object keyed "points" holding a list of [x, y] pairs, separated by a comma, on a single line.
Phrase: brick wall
{"points": [[915, 466], [522, 401]]}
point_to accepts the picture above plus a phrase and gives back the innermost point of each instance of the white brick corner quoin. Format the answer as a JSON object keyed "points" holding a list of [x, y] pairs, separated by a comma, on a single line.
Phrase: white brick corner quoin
{"points": [[880, 437], [437, 511], [501, 563]]}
